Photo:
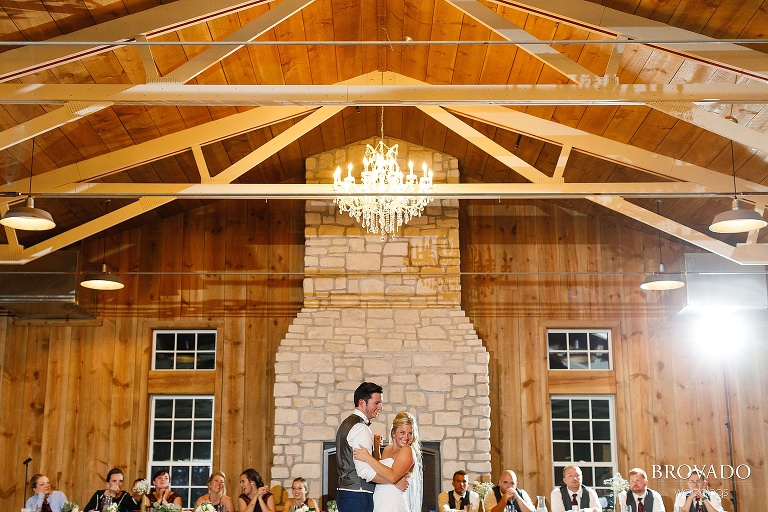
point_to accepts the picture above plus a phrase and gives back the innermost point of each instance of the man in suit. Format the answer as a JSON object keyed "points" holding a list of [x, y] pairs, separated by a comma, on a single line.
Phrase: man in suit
{"points": [[460, 499], [572, 493], [640, 498], [356, 478]]}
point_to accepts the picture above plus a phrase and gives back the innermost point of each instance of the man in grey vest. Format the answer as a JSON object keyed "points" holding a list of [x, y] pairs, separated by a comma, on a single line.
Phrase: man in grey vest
{"points": [[356, 478], [640, 497], [573, 493]]}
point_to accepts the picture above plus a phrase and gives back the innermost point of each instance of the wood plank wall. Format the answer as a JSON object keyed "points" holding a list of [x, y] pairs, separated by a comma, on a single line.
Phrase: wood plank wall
{"points": [[75, 395]]}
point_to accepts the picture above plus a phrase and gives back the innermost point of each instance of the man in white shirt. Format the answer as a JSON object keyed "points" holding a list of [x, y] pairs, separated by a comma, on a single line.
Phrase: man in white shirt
{"points": [[573, 494], [460, 499], [640, 498], [357, 478], [698, 498], [507, 497]]}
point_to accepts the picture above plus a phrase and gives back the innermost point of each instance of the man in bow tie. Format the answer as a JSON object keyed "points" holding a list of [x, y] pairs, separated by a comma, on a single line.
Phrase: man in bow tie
{"points": [[460, 499], [640, 498], [357, 479]]}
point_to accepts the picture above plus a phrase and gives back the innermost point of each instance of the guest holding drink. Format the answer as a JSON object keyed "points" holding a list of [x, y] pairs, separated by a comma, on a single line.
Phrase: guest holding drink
{"points": [[299, 491], [112, 494], [256, 496], [162, 494], [217, 494], [44, 499]]}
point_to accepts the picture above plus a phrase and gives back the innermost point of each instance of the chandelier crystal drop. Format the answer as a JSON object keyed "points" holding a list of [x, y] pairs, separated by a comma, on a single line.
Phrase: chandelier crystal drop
{"points": [[385, 199]]}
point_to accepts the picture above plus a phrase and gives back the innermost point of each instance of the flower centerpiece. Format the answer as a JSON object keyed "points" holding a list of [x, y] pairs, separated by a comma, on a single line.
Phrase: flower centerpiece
{"points": [[165, 507], [70, 506], [332, 506], [141, 487], [305, 508], [482, 488], [112, 507], [617, 484], [205, 506]]}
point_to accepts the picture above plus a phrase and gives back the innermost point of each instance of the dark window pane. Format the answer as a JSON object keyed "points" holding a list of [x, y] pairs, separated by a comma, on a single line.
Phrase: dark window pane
{"points": [[163, 430], [602, 452], [184, 408], [560, 409], [579, 361], [598, 341], [182, 430], [580, 409], [185, 361], [182, 451], [185, 341], [558, 361], [196, 492], [163, 361], [602, 474], [588, 477], [561, 451], [204, 408], [600, 361], [200, 475], [600, 409], [161, 451], [206, 361], [158, 468], [582, 452], [557, 341], [163, 408], [577, 341], [165, 341], [581, 430], [203, 431], [561, 430], [202, 451], [601, 430], [559, 474], [206, 341], [180, 476]]}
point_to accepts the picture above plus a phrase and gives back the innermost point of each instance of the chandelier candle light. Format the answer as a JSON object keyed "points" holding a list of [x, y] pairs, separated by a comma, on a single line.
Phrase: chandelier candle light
{"points": [[385, 199]]}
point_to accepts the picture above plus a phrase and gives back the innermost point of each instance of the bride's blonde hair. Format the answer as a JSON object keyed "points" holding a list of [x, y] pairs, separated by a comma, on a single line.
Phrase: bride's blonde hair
{"points": [[406, 418]]}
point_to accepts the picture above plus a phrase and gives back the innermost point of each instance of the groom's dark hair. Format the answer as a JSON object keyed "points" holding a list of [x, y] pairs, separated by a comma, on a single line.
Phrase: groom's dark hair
{"points": [[365, 390]]}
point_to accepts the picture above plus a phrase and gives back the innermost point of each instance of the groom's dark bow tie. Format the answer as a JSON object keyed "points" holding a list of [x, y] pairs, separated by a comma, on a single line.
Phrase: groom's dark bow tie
{"points": [[368, 423]]}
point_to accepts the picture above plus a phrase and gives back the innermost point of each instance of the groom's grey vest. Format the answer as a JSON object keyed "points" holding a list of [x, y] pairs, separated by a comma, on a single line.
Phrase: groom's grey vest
{"points": [[345, 460]]}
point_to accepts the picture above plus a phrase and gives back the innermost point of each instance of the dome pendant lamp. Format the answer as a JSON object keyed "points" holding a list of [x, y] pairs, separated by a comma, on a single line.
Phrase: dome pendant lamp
{"points": [[27, 217]]}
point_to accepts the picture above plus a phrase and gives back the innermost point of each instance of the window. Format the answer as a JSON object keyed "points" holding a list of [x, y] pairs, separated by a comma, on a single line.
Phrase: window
{"points": [[184, 350], [181, 442], [579, 349], [583, 434]]}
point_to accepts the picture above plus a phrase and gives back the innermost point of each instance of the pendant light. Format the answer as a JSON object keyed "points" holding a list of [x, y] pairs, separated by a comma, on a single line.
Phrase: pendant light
{"points": [[27, 217], [103, 280], [737, 220], [660, 281]]}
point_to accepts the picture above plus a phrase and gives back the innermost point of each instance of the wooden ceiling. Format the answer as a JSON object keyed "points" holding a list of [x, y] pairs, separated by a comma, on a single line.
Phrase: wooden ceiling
{"points": [[148, 130]]}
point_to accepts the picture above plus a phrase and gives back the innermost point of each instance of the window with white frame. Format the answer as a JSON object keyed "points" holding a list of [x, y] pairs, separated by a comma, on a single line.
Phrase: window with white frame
{"points": [[181, 442], [579, 349], [184, 350], [583, 434]]}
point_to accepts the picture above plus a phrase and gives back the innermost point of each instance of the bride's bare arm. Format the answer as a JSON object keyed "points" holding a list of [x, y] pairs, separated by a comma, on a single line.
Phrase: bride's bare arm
{"points": [[400, 467]]}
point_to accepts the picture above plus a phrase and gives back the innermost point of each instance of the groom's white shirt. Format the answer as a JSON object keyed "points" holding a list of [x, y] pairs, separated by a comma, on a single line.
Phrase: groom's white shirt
{"points": [[360, 434]]}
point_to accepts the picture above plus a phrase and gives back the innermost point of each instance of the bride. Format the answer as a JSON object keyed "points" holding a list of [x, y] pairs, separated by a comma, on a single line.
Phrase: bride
{"points": [[401, 459]]}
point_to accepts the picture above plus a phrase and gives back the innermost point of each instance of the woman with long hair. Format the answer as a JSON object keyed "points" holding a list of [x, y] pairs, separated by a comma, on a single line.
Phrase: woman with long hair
{"points": [[256, 496], [299, 491], [217, 494]]}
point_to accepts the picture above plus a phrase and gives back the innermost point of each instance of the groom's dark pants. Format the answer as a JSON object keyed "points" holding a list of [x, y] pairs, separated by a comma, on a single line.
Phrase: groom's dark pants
{"points": [[349, 501]]}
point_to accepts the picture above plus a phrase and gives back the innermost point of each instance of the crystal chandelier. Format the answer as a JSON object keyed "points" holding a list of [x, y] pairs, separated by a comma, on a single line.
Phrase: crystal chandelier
{"points": [[385, 199]]}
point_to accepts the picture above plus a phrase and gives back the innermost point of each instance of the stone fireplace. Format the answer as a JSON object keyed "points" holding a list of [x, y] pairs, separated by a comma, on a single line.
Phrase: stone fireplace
{"points": [[383, 311]]}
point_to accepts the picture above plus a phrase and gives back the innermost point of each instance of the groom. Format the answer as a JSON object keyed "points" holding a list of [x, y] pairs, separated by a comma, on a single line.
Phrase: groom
{"points": [[356, 478]]}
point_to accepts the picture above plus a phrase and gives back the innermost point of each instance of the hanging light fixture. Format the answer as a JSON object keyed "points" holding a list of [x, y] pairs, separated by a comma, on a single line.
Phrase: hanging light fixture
{"points": [[27, 217], [384, 199], [659, 281], [103, 280], [737, 220]]}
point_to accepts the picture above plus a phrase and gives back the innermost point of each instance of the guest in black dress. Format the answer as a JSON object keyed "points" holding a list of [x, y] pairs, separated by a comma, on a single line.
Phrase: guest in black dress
{"points": [[256, 496], [112, 494]]}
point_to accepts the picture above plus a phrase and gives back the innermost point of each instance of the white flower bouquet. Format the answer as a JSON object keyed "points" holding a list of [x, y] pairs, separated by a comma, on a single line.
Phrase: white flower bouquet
{"points": [[70, 506], [205, 506], [482, 488], [332, 507], [141, 487], [617, 484], [111, 508]]}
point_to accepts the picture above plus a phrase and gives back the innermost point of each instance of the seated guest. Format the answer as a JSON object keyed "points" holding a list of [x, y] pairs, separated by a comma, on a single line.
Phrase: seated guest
{"points": [[162, 494], [134, 503], [299, 491], [256, 496], [459, 499], [642, 498], [697, 498], [506, 497], [112, 494], [44, 498], [217, 494], [573, 493]]}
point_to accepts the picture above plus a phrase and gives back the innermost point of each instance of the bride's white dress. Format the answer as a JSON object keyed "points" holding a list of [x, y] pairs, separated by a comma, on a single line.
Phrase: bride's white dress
{"points": [[387, 497]]}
